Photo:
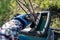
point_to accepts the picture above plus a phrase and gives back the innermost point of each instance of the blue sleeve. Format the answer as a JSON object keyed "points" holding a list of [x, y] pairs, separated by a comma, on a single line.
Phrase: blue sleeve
{"points": [[23, 20]]}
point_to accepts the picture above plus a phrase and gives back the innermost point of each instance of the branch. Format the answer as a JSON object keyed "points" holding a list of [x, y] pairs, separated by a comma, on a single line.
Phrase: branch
{"points": [[28, 7], [31, 6], [29, 10], [33, 10], [21, 6]]}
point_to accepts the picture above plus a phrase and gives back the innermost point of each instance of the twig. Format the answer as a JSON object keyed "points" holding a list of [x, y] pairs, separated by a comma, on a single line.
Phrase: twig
{"points": [[21, 6], [29, 10], [22, 3], [28, 7], [31, 6], [25, 5], [33, 10]]}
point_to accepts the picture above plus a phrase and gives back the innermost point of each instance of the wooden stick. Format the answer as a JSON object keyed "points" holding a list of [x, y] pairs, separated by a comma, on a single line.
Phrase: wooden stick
{"points": [[28, 7], [25, 5], [31, 6], [22, 7], [35, 16]]}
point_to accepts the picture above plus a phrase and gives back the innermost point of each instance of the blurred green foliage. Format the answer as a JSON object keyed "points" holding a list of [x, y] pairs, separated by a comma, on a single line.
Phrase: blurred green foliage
{"points": [[9, 7], [56, 23]]}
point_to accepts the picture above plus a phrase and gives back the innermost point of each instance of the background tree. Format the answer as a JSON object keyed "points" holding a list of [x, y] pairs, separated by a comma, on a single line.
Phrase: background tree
{"points": [[7, 9]]}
